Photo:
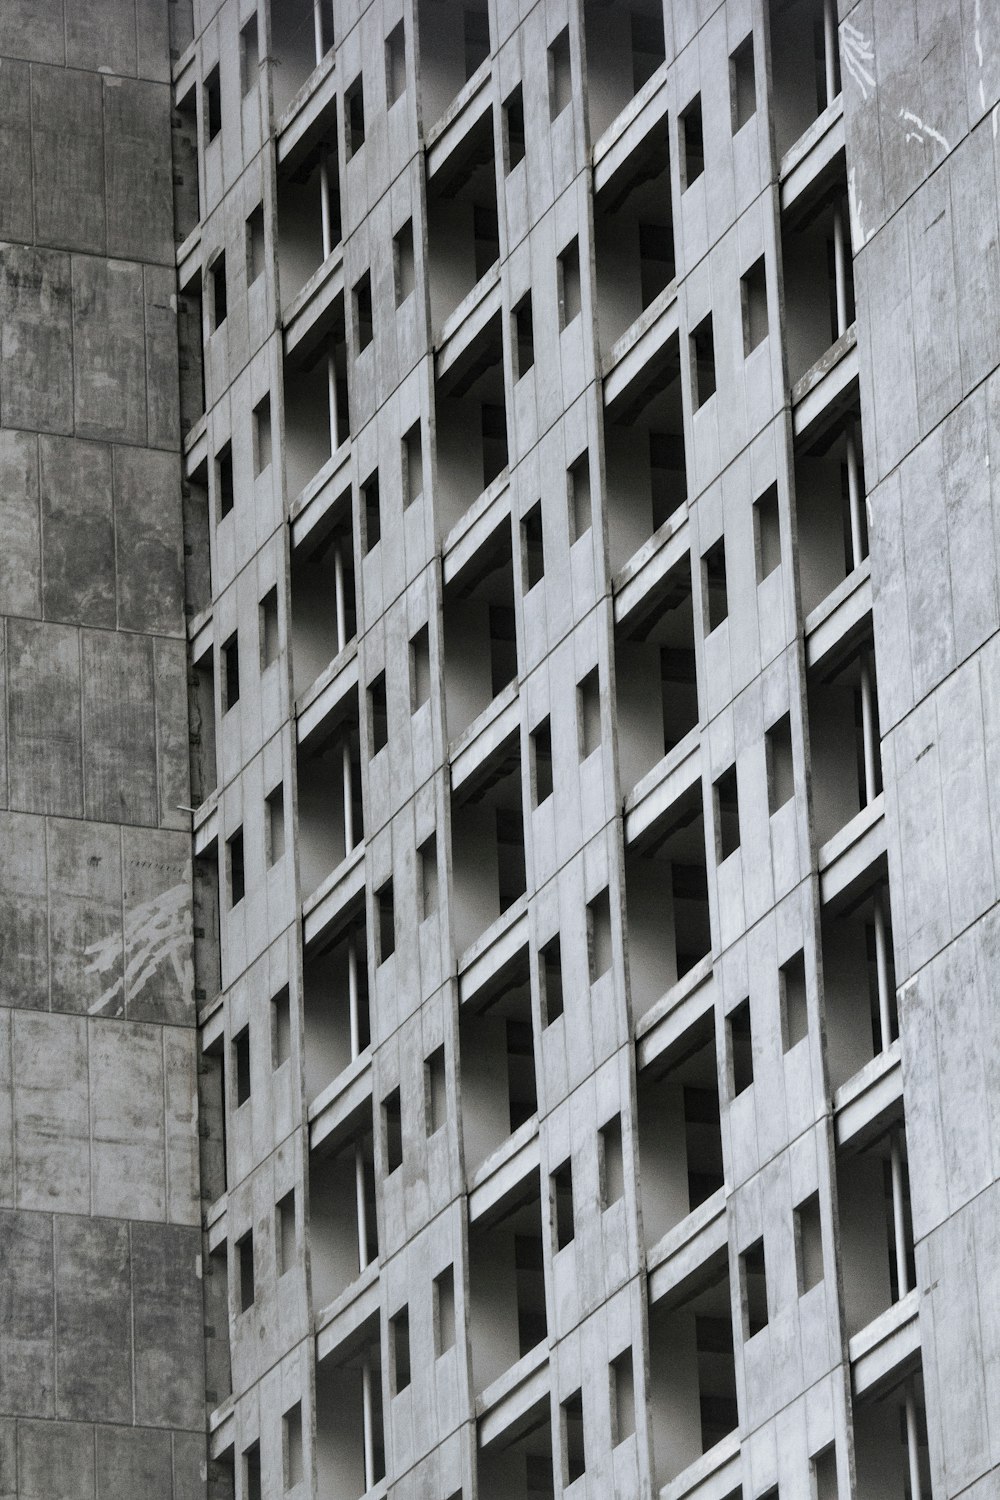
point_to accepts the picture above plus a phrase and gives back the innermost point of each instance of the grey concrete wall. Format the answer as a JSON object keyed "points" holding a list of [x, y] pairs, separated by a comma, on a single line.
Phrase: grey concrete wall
{"points": [[921, 91], [101, 1354]]}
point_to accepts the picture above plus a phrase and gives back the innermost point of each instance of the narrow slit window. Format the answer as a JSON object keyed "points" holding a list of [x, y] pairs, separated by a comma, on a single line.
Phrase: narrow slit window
{"points": [[427, 856], [588, 708], [568, 283], [444, 1312], [703, 362], [413, 465], [550, 977], [808, 1245], [692, 144], [743, 83], [400, 1343], [714, 588], [363, 312], [395, 64], [262, 434], [255, 244], [252, 1482], [213, 102], [578, 497], [599, 935], [378, 713], [780, 767], [244, 1256], [286, 1236], [524, 337], [234, 860], [435, 1092], [622, 1397], [574, 1459], [275, 824], [513, 128], [727, 815], [241, 1065], [224, 480], [281, 1028], [392, 1130], [385, 912], [560, 74], [753, 297], [794, 1005], [292, 1444], [753, 1274], [611, 1162], [476, 35], [220, 292], [269, 643], [420, 669], [541, 761], [403, 263], [231, 671], [371, 513], [562, 1204], [354, 116], [533, 546], [249, 55], [740, 1048], [767, 533]]}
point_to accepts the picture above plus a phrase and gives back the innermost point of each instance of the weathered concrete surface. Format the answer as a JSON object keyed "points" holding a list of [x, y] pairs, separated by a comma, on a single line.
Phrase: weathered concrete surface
{"points": [[101, 1321]]}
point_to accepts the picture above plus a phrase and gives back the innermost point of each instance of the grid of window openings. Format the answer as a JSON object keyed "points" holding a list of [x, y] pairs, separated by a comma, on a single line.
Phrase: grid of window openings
{"points": [[544, 953]]}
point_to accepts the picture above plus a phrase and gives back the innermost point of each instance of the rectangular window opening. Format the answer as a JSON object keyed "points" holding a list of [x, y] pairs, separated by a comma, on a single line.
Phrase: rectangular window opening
{"points": [[427, 856], [231, 671], [588, 709], [578, 496], [692, 143], [524, 337], [392, 1130], [354, 116], [541, 762], [241, 1065], [727, 815], [403, 262], [794, 1005], [533, 546], [413, 465], [767, 533], [599, 935], [703, 362], [753, 297], [420, 669], [574, 1461], [255, 244], [363, 311], [611, 1162], [562, 1204], [286, 1236], [753, 1275], [244, 1253], [435, 1092], [220, 292], [740, 1048], [622, 1397], [213, 102], [395, 64], [386, 926], [568, 283], [780, 767], [281, 1028], [808, 1244], [444, 1312], [262, 434], [268, 625], [378, 714], [252, 1484], [291, 1424], [234, 861], [550, 974], [249, 55], [743, 83], [513, 123], [275, 824], [560, 75], [371, 513], [224, 480], [399, 1327], [714, 588]]}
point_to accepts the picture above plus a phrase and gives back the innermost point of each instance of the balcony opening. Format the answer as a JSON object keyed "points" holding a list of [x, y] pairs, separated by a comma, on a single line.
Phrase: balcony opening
{"points": [[497, 1062], [805, 71], [655, 680], [184, 144], [623, 53], [844, 736], [666, 885], [560, 74], [692, 143], [876, 1227], [890, 1441], [680, 1134], [831, 515], [324, 608], [335, 1005], [506, 1283], [634, 234], [480, 650], [329, 786], [201, 703], [487, 825], [692, 1372], [301, 35], [317, 407], [859, 983], [191, 346], [817, 270], [471, 424], [645, 475], [463, 236], [454, 44], [350, 1442], [343, 1237], [518, 1464], [309, 215], [742, 84]]}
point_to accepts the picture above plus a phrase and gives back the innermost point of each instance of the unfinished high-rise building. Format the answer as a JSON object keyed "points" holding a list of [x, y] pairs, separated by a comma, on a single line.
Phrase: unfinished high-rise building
{"points": [[501, 759]]}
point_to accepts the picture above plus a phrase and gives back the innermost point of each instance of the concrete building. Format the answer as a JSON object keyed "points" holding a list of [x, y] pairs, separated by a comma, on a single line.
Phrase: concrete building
{"points": [[502, 733]]}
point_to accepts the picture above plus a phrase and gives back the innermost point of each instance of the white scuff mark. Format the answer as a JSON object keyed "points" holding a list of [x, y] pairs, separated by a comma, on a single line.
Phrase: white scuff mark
{"points": [[859, 235], [857, 53], [156, 933], [978, 43], [996, 111], [922, 131]]}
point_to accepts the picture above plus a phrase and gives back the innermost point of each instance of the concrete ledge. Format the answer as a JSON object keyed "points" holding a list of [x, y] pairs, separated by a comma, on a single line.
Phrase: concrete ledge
{"points": [[888, 1348], [617, 145], [504, 1406], [826, 388], [332, 1110], [695, 1241], [342, 1320], [486, 736], [301, 120], [812, 153], [841, 613], [714, 1476], [462, 327], [447, 135], [489, 955], [666, 1023], [870, 1101], [675, 774], [502, 1173], [338, 893], [638, 354], [851, 855], [312, 504], [484, 516], [668, 546], [313, 302], [318, 707]]}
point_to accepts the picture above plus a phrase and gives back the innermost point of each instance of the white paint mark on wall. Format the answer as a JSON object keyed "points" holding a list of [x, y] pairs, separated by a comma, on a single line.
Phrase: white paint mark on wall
{"points": [[857, 54], [978, 41], [921, 131], [156, 933], [859, 235]]}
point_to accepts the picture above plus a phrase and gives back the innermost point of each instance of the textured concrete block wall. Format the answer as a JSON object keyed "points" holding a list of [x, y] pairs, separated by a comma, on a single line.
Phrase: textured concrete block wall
{"points": [[921, 97], [101, 1362]]}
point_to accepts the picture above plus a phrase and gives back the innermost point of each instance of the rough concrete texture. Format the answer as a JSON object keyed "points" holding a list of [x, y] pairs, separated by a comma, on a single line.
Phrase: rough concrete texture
{"points": [[101, 1353]]}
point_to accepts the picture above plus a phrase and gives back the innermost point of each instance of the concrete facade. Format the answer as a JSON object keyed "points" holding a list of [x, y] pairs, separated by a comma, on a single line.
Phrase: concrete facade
{"points": [[499, 600]]}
